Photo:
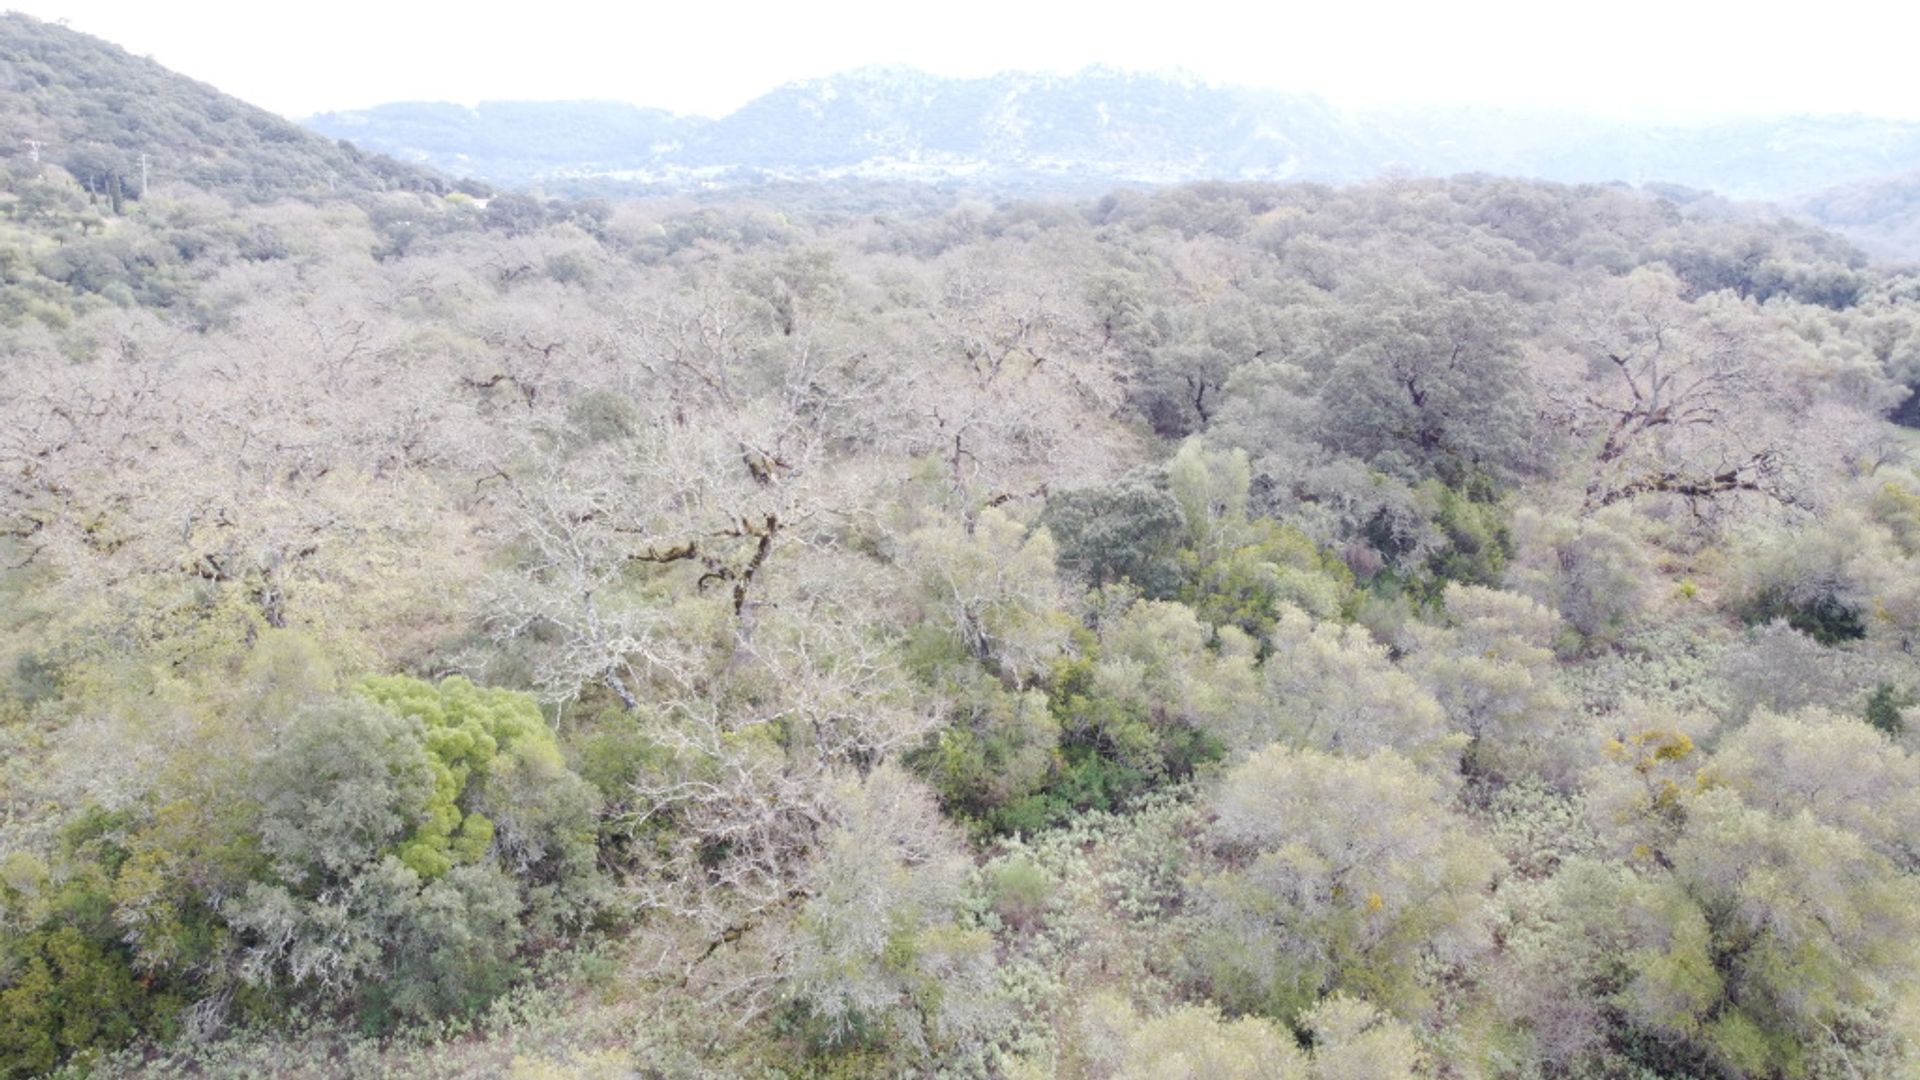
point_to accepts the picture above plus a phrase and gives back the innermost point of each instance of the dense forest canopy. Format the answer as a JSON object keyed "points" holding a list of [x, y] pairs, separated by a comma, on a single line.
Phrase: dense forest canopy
{"points": [[1426, 628]]}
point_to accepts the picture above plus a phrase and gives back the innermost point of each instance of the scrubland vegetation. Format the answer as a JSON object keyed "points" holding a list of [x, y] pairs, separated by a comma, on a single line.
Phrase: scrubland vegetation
{"points": [[1420, 629]]}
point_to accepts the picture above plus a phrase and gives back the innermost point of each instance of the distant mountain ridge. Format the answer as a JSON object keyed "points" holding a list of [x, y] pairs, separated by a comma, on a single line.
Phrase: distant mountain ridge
{"points": [[116, 122], [1104, 126]]}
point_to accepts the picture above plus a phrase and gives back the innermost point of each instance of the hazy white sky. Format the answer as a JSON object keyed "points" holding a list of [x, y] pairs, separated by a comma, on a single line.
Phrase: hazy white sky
{"points": [[709, 56]]}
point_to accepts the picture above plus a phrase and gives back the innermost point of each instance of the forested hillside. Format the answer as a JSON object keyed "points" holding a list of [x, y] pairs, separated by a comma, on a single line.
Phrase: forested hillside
{"points": [[1422, 629], [1881, 215], [119, 124]]}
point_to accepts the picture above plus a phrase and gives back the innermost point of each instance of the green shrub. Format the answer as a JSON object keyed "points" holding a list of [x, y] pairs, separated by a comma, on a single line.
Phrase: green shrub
{"points": [[1885, 705]]}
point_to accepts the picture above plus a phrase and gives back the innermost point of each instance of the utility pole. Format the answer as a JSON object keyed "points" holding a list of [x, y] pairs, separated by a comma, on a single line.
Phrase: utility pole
{"points": [[143, 174]]}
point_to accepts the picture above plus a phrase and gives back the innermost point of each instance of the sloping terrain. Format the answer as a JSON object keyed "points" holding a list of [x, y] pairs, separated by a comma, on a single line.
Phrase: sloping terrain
{"points": [[1881, 215], [119, 122], [1412, 630]]}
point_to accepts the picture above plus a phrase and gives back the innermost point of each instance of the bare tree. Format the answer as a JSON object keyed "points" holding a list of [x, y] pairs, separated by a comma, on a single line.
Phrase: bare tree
{"points": [[1692, 401]]}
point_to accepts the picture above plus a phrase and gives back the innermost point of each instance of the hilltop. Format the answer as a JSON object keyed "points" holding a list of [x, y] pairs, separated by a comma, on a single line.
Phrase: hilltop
{"points": [[117, 122]]}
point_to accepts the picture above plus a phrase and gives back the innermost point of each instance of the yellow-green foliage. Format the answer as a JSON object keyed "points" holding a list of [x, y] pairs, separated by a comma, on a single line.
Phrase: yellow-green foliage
{"points": [[1192, 1042], [1268, 566], [1352, 1040], [1896, 504], [67, 983], [1240, 570], [994, 589], [472, 734], [1341, 874]]}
